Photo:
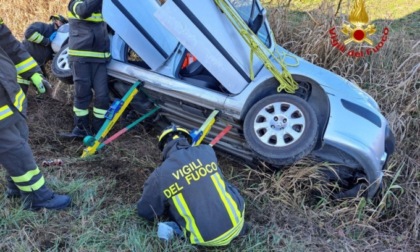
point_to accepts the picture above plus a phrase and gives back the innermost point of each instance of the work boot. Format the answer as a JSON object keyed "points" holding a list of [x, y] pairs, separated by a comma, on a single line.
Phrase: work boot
{"points": [[82, 127], [80, 133], [44, 198], [12, 191]]}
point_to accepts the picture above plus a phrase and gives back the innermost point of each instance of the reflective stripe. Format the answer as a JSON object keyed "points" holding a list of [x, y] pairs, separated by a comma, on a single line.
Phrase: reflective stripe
{"points": [[230, 204], [95, 17], [5, 112], [21, 80], [27, 176], [32, 187], [70, 14], [79, 53], [26, 65], [184, 211], [19, 100], [80, 112], [99, 113], [36, 37], [227, 237]]}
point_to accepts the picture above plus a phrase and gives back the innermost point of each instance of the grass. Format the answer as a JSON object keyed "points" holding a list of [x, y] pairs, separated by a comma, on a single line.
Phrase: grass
{"points": [[386, 9], [285, 213]]}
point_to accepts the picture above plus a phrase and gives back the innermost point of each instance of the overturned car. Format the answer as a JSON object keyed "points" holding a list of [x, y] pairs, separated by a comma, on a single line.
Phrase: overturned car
{"points": [[327, 117]]}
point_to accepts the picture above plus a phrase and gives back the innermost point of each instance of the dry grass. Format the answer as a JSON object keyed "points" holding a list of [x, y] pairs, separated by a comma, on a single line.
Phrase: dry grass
{"points": [[392, 77], [285, 212], [18, 14]]}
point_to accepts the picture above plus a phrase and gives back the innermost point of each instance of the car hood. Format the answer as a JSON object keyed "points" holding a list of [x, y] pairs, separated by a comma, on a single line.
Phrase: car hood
{"points": [[332, 83]]}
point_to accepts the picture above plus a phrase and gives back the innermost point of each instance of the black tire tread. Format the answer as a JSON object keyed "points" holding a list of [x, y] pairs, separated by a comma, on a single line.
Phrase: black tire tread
{"points": [[64, 76]]}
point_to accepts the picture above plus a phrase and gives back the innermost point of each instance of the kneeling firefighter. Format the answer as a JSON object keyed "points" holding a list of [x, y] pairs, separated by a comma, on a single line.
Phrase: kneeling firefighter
{"points": [[38, 39], [28, 71], [190, 186]]}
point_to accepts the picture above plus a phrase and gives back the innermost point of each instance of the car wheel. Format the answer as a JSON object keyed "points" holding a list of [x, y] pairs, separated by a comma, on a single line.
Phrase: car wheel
{"points": [[60, 66], [281, 129]]}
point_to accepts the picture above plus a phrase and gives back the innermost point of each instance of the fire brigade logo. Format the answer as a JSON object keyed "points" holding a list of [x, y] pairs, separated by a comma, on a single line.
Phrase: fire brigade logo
{"points": [[359, 28], [358, 31]]}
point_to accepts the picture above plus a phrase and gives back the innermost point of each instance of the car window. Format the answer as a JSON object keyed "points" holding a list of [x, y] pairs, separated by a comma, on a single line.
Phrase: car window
{"points": [[248, 10]]}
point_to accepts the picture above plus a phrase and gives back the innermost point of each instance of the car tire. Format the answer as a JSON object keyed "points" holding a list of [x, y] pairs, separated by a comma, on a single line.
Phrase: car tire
{"points": [[281, 129], [60, 66]]}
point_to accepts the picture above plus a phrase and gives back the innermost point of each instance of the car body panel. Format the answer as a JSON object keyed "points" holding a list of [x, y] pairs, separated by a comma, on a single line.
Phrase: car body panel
{"points": [[61, 38], [138, 27], [353, 132], [206, 32]]}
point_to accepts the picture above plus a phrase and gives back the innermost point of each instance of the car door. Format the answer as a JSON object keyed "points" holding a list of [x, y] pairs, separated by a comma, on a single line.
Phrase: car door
{"points": [[135, 23], [207, 33]]}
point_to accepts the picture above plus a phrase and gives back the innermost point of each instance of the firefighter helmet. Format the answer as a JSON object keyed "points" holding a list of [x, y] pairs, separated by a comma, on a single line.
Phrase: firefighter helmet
{"points": [[59, 18], [173, 132]]}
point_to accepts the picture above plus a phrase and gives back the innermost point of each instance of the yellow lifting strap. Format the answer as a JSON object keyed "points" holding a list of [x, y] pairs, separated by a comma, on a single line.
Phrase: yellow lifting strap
{"points": [[285, 79]]}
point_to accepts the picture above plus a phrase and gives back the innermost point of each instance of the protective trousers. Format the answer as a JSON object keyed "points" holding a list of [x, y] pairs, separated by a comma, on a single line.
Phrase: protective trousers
{"points": [[90, 78], [16, 156]]}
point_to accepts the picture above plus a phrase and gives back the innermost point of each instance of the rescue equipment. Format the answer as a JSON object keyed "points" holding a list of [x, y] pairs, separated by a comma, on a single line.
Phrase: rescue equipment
{"points": [[113, 114], [200, 134], [130, 126], [220, 135]]}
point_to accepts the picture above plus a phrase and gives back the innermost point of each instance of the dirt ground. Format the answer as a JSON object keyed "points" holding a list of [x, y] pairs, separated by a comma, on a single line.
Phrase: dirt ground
{"points": [[123, 160]]}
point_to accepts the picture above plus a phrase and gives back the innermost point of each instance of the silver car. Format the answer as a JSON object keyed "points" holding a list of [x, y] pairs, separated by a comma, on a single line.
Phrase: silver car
{"points": [[327, 117]]}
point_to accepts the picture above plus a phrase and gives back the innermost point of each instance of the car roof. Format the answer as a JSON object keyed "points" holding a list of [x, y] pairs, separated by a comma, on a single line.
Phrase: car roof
{"points": [[153, 31]]}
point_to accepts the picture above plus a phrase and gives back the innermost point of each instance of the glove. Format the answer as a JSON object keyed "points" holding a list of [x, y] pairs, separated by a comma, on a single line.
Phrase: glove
{"points": [[39, 82], [52, 36]]}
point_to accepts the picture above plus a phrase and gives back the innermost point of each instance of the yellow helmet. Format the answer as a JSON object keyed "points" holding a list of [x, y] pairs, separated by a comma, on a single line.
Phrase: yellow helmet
{"points": [[173, 132]]}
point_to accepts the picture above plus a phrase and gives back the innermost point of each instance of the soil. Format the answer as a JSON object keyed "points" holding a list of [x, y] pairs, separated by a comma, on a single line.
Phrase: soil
{"points": [[126, 161]]}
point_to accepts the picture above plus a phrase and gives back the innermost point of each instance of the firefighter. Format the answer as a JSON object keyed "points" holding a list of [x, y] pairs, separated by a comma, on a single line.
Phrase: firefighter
{"points": [[88, 55], [38, 38], [25, 179], [190, 186], [27, 69]]}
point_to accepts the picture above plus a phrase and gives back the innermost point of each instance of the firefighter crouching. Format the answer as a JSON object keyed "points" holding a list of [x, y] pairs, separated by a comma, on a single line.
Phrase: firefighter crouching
{"points": [[38, 38], [88, 55], [16, 157], [190, 185], [27, 69]]}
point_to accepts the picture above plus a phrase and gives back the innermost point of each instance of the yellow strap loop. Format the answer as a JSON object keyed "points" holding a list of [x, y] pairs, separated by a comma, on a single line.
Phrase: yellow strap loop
{"points": [[285, 79]]}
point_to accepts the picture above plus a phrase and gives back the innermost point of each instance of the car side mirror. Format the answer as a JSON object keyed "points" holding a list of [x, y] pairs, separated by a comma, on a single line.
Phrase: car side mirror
{"points": [[258, 21]]}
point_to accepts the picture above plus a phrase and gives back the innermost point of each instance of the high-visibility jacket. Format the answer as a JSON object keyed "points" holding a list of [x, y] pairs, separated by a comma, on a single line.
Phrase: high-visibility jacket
{"points": [[12, 99], [14, 132], [190, 186], [25, 65], [37, 41], [88, 40]]}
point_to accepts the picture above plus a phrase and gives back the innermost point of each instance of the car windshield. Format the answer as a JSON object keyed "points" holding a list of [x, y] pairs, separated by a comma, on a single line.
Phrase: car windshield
{"points": [[249, 10]]}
